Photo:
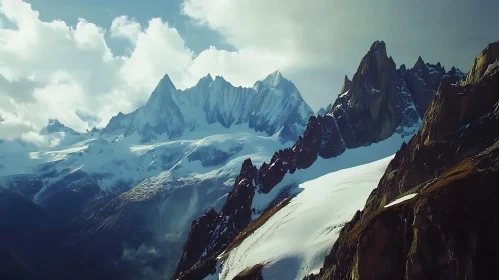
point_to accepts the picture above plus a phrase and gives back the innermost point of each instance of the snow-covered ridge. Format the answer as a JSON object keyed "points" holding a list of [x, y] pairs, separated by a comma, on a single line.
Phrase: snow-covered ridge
{"points": [[273, 105], [294, 242]]}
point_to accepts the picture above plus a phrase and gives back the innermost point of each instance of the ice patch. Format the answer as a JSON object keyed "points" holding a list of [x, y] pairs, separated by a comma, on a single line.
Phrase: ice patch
{"points": [[402, 199]]}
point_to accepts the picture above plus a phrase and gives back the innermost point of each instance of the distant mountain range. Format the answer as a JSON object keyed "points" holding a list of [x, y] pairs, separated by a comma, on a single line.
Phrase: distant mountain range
{"points": [[273, 105]]}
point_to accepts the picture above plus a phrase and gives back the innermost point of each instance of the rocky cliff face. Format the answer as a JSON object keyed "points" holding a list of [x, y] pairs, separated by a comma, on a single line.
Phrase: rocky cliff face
{"points": [[486, 59], [271, 105], [448, 230], [373, 106]]}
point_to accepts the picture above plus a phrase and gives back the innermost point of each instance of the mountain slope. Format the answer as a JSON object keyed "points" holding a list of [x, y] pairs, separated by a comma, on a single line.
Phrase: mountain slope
{"points": [[269, 106], [117, 199], [447, 228], [295, 240], [375, 105]]}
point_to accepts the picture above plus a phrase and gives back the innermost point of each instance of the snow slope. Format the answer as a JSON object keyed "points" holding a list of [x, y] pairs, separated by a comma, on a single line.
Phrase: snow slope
{"points": [[294, 241], [350, 158], [117, 164]]}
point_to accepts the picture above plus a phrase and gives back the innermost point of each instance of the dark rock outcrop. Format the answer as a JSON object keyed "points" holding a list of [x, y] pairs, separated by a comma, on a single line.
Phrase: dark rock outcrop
{"points": [[347, 84], [448, 230], [253, 273], [381, 100], [375, 105], [323, 111], [198, 240], [423, 81]]}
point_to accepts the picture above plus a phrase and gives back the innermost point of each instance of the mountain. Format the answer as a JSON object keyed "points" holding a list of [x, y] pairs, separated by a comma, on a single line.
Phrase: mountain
{"points": [[296, 238], [272, 105], [323, 111], [445, 180], [120, 200], [376, 107], [55, 126]]}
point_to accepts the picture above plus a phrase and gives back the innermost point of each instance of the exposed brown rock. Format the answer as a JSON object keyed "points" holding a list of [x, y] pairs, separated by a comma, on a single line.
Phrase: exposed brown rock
{"points": [[197, 241], [449, 230], [487, 57], [253, 273]]}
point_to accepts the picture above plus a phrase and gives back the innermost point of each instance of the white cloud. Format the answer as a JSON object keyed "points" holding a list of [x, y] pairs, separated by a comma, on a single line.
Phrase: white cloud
{"points": [[122, 27], [300, 31], [53, 70], [159, 49], [12, 126], [299, 38], [240, 68]]}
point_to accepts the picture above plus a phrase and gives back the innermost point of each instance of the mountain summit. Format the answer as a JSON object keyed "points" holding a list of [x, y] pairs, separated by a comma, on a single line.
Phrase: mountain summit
{"points": [[273, 105], [433, 214]]}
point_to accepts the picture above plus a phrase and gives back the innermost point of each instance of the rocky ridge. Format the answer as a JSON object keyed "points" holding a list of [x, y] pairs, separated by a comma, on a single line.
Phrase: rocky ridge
{"points": [[373, 106], [273, 105], [448, 230]]}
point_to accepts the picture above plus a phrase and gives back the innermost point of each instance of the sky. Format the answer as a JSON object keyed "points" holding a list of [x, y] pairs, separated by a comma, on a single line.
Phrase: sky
{"points": [[82, 62]]}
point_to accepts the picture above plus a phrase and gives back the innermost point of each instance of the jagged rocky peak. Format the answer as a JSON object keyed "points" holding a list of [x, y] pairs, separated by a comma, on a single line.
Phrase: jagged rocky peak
{"points": [[162, 92], [376, 61], [379, 47], [452, 166], [208, 77], [346, 85], [486, 58], [377, 104], [454, 76], [273, 79], [272, 105], [54, 126], [323, 111], [420, 64]]}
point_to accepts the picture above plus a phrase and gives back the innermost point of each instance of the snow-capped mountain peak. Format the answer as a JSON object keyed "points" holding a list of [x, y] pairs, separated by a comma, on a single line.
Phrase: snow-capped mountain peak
{"points": [[271, 105], [54, 126], [274, 78], [205, 80], [164, 88]]}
